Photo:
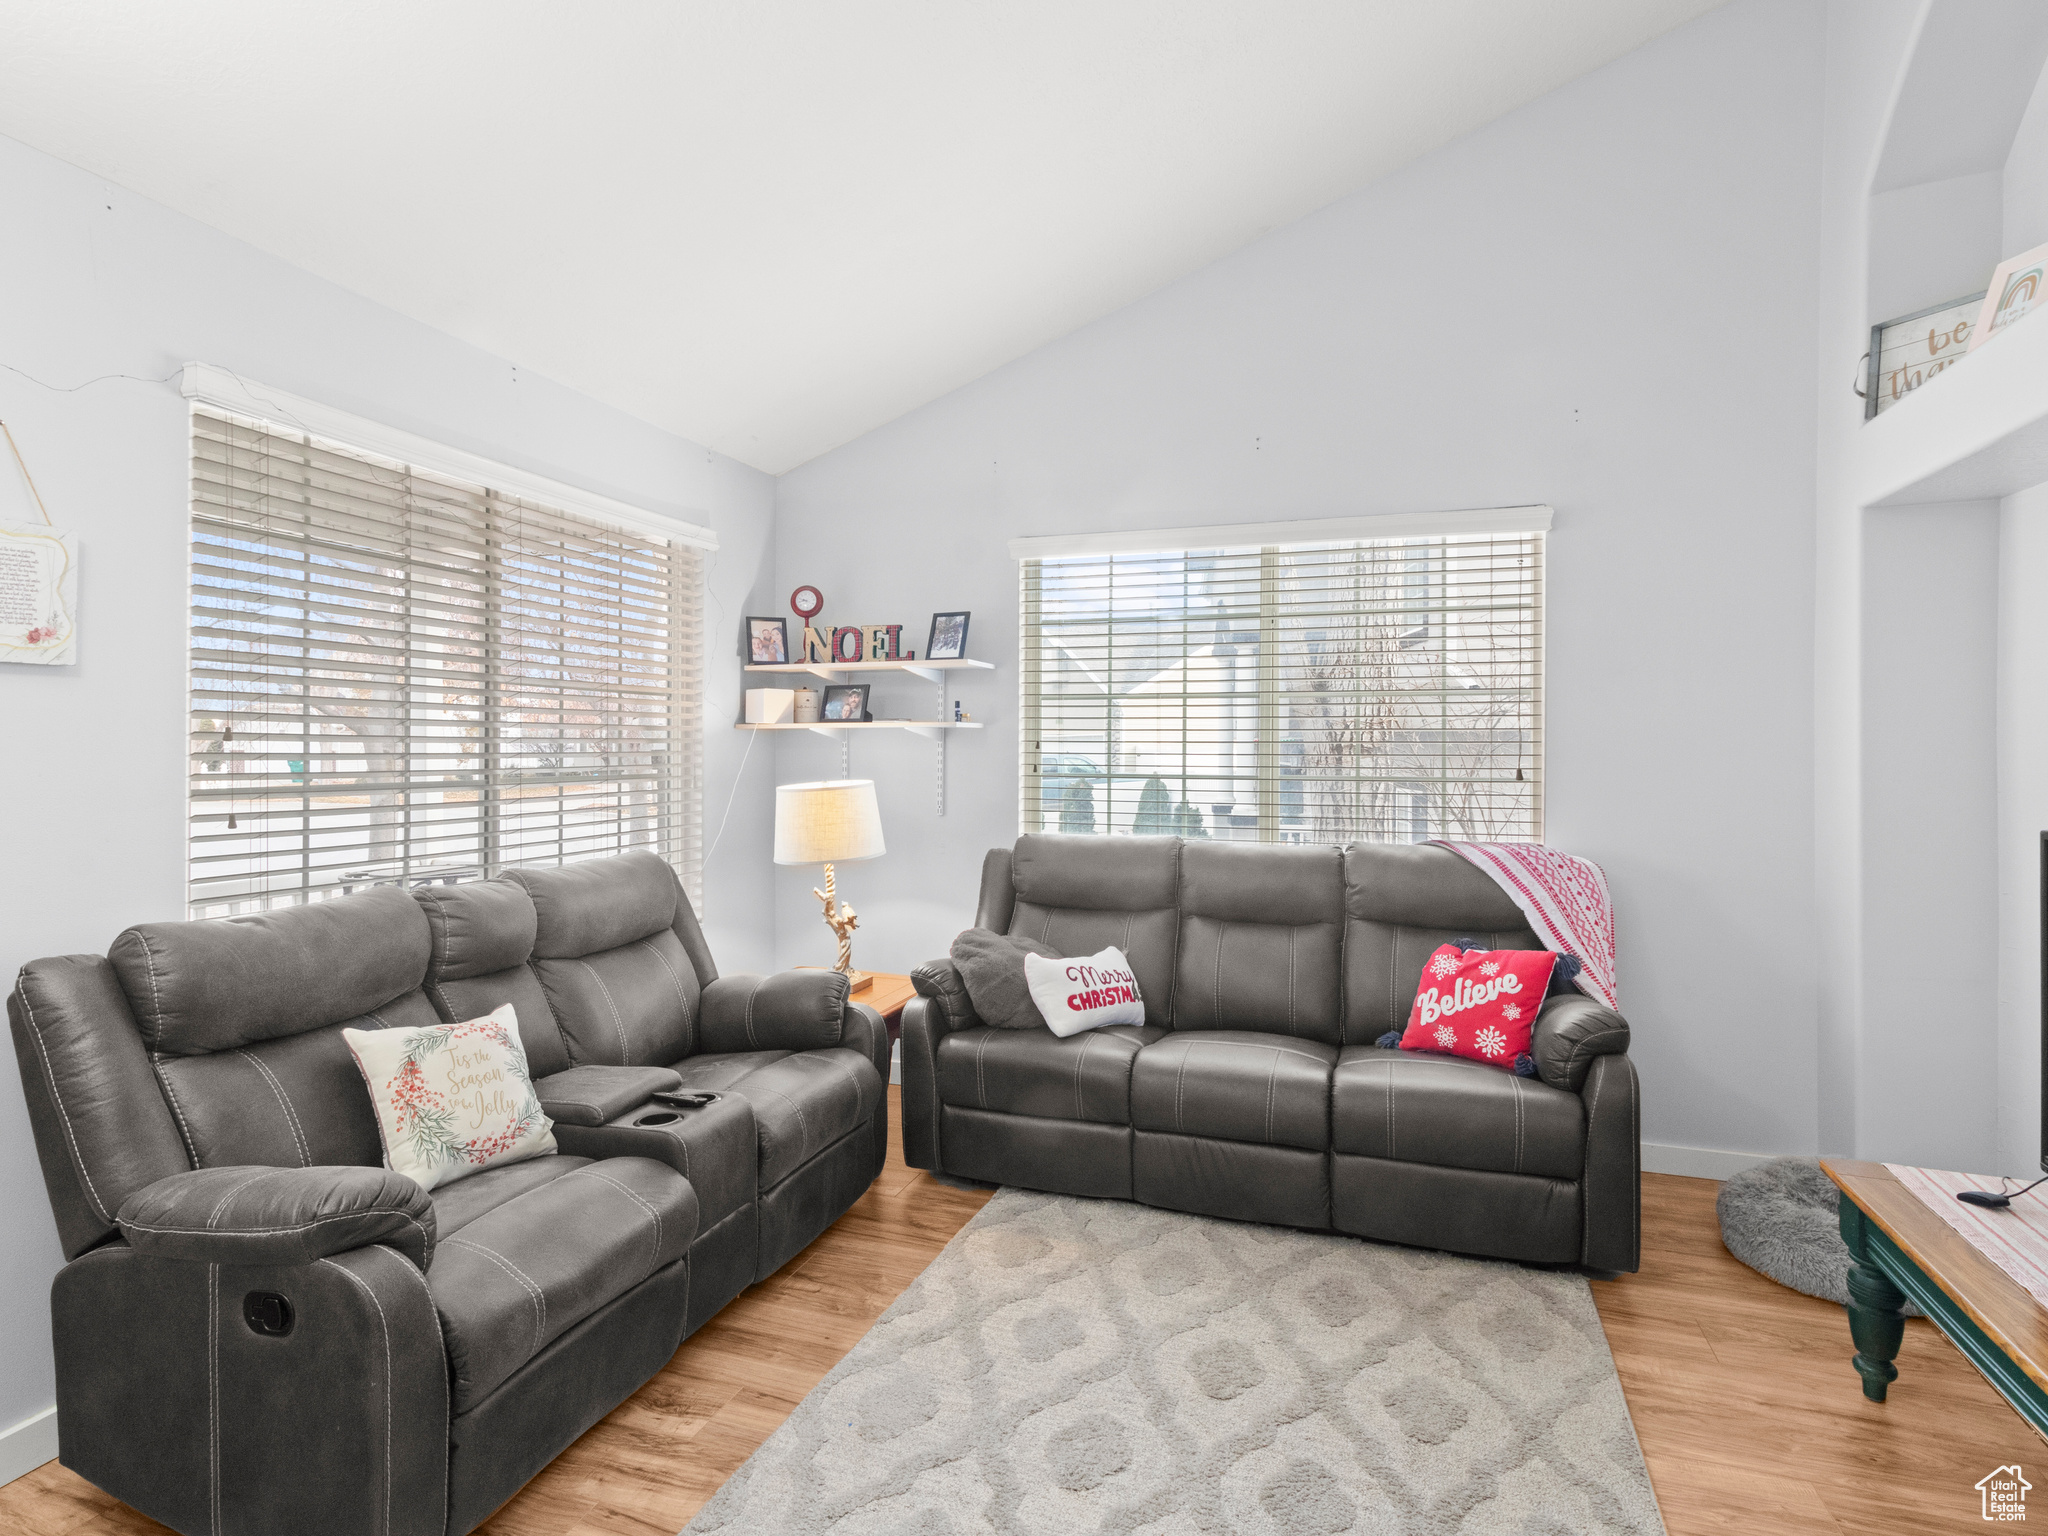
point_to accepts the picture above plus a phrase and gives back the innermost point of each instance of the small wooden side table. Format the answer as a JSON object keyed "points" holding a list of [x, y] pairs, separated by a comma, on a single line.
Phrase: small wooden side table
{"points": [[1903, 1249], [887, 994]]}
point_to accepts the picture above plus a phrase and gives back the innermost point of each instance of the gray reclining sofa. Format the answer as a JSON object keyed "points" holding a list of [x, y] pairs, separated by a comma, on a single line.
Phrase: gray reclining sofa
{"points": [[261, 1329], [1255, 1089]]}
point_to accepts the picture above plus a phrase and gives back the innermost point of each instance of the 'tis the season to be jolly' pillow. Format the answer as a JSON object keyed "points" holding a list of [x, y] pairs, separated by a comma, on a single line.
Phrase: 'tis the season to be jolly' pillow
{"points": [[1084, 992], [1480, 1003], [452, 1099]]}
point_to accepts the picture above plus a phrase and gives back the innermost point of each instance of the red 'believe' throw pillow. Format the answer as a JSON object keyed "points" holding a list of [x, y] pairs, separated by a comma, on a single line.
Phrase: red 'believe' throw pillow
{"points": [[1479, 1003]]}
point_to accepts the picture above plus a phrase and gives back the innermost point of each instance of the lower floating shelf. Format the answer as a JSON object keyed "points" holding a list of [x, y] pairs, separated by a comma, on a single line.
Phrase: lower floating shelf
{"points": [[827, 727]]}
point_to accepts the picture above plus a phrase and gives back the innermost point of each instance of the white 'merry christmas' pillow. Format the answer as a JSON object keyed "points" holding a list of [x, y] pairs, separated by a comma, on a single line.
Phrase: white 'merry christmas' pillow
{"points": [[452, 1099], [1085, 991]]}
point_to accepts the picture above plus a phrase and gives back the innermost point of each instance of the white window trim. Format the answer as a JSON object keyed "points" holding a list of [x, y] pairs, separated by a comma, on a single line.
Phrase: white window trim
{"points": [[230, 391], [1322, 530]]}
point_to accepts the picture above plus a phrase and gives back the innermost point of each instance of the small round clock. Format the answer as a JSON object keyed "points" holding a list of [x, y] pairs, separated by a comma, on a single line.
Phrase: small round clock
{"points": [[806, 603]]}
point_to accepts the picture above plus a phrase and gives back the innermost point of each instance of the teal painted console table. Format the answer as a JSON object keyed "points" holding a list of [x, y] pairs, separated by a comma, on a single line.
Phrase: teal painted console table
{"points": [[1902, 1249]]}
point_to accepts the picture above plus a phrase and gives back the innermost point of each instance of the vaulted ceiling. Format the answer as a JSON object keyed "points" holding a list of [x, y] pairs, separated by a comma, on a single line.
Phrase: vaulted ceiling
{"points": [[772, 226]]}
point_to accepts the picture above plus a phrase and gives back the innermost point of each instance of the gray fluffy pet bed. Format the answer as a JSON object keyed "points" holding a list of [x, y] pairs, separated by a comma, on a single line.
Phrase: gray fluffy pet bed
{"points": [[1781, 1220]]}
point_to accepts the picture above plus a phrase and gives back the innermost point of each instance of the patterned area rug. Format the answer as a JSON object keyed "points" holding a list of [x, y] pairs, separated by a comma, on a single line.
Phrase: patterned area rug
{"points": [[1088, 1365]]}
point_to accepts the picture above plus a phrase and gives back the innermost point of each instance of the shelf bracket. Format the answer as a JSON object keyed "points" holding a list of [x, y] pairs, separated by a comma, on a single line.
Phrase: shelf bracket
{"points": [[846, 754], [930, 675], [939, 751]]}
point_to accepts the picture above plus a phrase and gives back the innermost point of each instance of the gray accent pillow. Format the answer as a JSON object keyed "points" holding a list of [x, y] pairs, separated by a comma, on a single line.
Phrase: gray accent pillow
{"points": [[992, 967]]}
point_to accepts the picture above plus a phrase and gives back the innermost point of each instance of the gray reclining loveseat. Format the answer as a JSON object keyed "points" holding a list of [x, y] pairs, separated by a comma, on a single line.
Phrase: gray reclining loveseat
{"points": [[1255, 1088], [262, 1330]]}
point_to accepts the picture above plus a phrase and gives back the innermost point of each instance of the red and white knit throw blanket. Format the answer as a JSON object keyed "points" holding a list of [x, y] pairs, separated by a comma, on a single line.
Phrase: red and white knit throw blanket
{"points": [[1565, 900]]}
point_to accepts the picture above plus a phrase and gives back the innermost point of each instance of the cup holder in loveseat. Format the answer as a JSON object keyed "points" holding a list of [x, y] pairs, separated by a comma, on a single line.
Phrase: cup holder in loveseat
{"points": [[659, 1117]]}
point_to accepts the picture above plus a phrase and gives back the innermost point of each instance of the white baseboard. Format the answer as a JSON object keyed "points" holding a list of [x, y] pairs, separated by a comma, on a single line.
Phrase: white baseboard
{"points": [[28, 1445], [1700, 1162]]}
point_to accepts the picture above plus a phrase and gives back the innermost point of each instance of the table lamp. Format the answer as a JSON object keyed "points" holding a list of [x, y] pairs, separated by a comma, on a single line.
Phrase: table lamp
{"points": [[834, 822]]}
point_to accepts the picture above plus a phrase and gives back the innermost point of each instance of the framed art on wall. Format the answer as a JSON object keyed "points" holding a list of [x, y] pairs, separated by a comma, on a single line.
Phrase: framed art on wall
{"points": [[38, 584], [767, 642], [38, 595], [948, 640]]}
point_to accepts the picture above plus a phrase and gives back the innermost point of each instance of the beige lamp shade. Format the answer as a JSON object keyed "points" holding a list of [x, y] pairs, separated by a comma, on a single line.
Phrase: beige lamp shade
{"points": [[834, 822]]}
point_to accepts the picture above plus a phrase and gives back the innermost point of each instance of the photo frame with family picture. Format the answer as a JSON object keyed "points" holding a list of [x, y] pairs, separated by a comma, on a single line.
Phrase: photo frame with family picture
{"points": [[767, 642], [846, 703], [948, 640]]}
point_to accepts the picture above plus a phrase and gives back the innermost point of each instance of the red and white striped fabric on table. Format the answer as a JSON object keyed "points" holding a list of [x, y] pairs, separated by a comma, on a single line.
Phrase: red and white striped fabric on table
{"points": [[2015, 1238]]}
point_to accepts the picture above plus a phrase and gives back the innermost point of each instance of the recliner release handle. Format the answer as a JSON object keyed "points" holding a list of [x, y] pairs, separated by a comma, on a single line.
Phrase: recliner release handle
{"points": [[268, 1313]]}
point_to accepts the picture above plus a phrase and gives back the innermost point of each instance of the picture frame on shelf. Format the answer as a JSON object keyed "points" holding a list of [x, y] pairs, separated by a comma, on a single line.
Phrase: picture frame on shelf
{"points": [[2019, 285], [1905, 353], [845, 703], [767, 642], [948, 640]]}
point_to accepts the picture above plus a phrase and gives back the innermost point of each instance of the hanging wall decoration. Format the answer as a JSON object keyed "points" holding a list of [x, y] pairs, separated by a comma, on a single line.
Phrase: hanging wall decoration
{"points": [[38, 586]]}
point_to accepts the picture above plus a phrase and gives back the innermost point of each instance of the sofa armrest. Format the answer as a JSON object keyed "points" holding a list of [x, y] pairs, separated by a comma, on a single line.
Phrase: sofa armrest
{"points": [[594, 1095], [788, 1011], [868, 1034], [1571, 1030], [940, 1008], [1611, 1185], [940, 980], [924, 1026], [279, 1216], [175, 1403], [865, 1032]]}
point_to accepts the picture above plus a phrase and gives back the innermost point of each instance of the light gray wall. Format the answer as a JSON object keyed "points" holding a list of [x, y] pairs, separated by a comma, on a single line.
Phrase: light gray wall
{"points": [[1869, 42], [1929, 1033], [1929, 758], [1933, 242], [92, 774], [2022, 719], [2022, 818], [2026, 177], [1603, 301]]}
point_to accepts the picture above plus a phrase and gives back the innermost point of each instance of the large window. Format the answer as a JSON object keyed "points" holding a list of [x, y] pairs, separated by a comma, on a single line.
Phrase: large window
{"points": [[1383, 690], [400, 678]]}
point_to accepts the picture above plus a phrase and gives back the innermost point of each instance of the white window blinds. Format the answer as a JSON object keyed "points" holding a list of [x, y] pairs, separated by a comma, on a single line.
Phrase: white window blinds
{"points": [[399, 678], [1385, 690]]}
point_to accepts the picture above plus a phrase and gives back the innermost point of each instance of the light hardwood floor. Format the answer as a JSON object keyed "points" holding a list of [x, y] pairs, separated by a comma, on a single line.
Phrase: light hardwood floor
{"points": [[1752, 1418], [1743, 1397]]}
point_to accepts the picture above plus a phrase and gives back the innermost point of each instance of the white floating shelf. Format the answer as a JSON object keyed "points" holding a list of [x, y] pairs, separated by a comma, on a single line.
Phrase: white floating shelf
{"points": [[930, 671], [1977, 430], [930, 728]]}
